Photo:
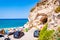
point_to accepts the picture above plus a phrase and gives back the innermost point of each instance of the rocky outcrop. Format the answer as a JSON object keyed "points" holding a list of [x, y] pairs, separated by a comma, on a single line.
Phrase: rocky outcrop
{"points": [[43, 12]]}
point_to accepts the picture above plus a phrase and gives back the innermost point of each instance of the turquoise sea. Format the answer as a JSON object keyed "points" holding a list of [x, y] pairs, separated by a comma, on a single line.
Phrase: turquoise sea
{"points": [[10, 23]]}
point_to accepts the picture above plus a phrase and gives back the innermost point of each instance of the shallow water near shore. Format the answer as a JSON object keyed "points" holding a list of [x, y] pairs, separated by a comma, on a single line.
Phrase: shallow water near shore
{"points": [[11, 23]]}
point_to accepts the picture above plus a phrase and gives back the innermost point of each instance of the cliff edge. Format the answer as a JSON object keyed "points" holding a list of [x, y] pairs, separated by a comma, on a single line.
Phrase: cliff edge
{"points": [[44, 11]]}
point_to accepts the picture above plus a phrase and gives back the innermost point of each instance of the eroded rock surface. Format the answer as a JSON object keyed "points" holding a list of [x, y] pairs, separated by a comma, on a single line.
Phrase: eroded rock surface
{"points": [[43, 12]]}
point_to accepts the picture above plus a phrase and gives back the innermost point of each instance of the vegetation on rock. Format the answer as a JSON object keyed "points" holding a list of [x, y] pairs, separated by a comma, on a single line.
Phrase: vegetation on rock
{"points": [[58, 29], [41, 3], [32, 9], [45, 34], [57, 10], [56, 35]]}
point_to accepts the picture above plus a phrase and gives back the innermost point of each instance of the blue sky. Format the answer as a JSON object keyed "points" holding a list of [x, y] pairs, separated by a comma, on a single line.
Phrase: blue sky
{"points": [[12, 9]]}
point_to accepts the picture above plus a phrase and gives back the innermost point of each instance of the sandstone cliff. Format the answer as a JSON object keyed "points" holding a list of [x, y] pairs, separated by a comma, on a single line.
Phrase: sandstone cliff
{"points": [[44, 11]]}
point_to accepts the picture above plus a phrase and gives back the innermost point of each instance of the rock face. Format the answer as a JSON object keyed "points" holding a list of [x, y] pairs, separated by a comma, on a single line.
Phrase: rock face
{"points": [[43, 12]]}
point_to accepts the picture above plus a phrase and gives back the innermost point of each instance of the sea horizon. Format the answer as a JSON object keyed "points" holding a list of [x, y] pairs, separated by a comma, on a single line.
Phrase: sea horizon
{"points": [[14, 18], [11, 23]]}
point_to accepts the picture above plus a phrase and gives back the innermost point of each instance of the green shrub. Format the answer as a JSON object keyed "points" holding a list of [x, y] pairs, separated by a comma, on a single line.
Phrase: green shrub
{"points": [[58, 38], [45, 34]]}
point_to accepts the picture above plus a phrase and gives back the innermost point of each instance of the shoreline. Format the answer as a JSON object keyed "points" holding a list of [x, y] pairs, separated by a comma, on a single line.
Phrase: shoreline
{"points": [[27, 35], [12, 27]]}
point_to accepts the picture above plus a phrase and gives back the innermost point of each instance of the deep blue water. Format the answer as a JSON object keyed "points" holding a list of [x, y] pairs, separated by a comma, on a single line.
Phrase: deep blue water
{"points": [[10, 23]]}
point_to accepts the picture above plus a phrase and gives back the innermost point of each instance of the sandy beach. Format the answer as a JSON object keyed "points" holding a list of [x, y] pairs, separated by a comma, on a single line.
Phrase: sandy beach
{"points": [[28, 35]]}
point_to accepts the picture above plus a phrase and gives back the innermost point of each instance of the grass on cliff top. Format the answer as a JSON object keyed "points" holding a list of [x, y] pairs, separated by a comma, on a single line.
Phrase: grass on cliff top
{"points": [[45, 34]]}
